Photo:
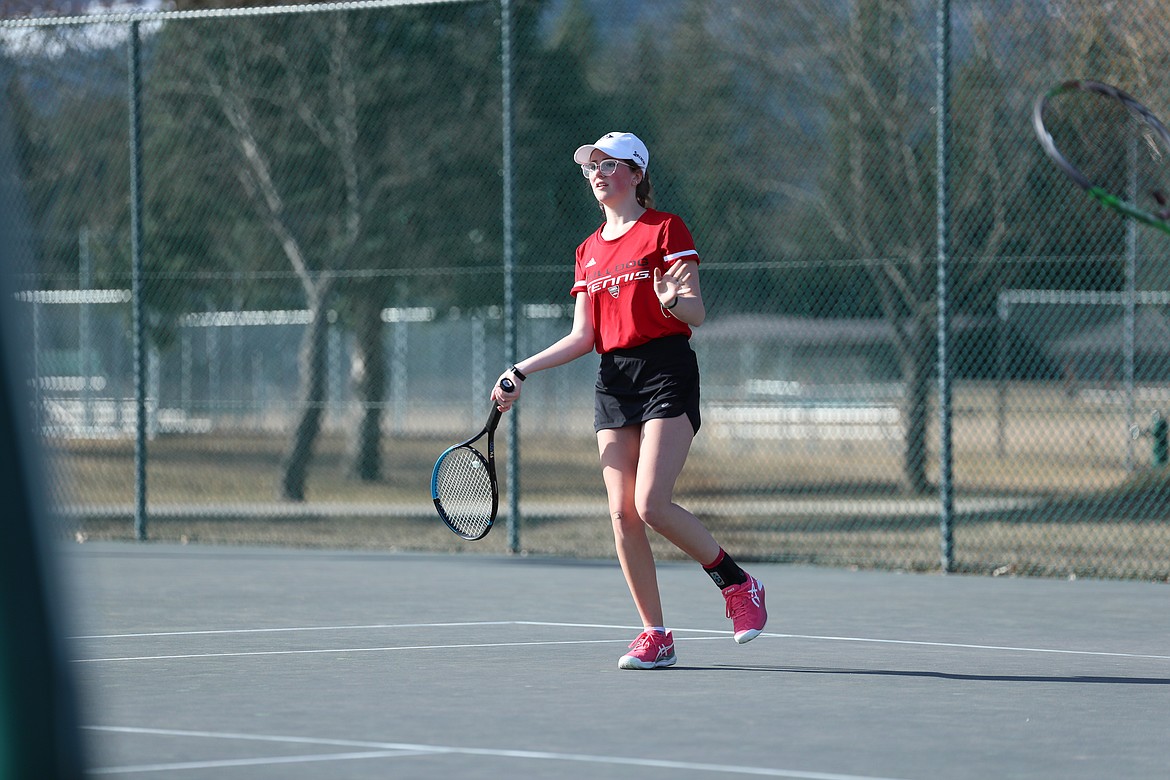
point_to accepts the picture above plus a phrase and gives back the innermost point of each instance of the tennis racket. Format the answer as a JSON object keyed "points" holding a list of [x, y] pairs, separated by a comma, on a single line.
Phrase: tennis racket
{"points": [[464, 484], [1111, 145]]}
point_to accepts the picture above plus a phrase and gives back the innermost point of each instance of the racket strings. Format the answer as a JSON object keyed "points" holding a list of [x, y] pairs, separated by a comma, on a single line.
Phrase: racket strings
{"points": [[463, 487]]}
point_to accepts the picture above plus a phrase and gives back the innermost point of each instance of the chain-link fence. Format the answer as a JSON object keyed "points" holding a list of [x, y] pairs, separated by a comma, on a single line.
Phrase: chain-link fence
{"points": [[334, 226]]}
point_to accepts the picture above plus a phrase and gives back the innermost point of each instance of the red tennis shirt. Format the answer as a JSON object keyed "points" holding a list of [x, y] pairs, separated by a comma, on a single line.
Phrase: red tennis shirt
{"points": [[618, 276]]}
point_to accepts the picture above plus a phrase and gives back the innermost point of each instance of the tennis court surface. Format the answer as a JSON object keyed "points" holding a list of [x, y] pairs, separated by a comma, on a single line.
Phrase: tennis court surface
{"points": [[224, 662]]}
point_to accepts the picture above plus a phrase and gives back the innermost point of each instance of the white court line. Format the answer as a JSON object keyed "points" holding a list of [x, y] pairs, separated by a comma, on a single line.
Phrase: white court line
{"points": [[405, 749], [911, 642], [264, 761], [389, 649], [962, 646], [300, 628], [807, 637]]}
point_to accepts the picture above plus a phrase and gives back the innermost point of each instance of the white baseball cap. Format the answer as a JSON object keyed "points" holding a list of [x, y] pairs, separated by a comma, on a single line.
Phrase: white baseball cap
{"points": [[620, 146]]}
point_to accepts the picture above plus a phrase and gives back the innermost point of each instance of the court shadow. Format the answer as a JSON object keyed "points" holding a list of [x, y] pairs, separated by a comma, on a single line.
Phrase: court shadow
{"points": [[1020, 678]]}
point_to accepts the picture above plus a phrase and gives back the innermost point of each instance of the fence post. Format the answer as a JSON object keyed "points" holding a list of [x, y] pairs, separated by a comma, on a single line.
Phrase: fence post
{"points": [[943, 132], [509, 274], [135, 51], [1160, 433], [1128, 344]]}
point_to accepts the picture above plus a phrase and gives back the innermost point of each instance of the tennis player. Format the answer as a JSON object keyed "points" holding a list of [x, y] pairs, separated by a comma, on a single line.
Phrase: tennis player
{"points": [[637, 298]]}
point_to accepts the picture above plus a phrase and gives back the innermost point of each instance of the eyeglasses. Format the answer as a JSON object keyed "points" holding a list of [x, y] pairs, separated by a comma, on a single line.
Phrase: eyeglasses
{"points": [[607, 167]]}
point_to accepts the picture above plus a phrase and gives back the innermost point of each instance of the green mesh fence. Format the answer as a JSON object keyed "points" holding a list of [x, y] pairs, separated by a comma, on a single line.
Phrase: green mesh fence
{"points": [[333, 267]]}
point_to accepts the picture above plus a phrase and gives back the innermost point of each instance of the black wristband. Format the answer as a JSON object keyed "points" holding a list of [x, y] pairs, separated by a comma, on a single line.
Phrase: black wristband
{"points": [[672, 305], [518, 373]]}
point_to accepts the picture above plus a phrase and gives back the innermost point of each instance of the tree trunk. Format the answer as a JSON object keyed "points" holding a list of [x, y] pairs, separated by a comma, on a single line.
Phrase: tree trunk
{"points": [[370, 388], [918, 369], [313, 383]]}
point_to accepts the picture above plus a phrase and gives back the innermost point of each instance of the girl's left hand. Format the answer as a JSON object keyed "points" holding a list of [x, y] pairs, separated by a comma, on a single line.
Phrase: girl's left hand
{"points": [[673, 284]]}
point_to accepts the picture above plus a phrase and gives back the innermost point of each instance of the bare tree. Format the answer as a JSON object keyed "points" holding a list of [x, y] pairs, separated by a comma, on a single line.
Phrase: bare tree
{"points": [[348, 139], [854, 138], [259, 83]]}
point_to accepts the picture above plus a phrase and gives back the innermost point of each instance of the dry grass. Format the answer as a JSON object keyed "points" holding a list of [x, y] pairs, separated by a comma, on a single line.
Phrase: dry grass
{"points": [[832, 504]]}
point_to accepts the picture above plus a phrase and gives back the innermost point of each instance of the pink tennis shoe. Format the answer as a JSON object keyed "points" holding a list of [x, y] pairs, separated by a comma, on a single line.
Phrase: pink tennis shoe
{"points": [[649, 651], [745, 607]]}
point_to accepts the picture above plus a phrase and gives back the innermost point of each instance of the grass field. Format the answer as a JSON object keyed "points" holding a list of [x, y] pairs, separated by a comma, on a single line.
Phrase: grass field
{"points": [[829, 503]]}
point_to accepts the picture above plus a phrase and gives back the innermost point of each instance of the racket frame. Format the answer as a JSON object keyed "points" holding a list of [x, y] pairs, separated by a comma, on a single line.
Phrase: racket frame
{"points": [[1102, 195], [489, 430]]}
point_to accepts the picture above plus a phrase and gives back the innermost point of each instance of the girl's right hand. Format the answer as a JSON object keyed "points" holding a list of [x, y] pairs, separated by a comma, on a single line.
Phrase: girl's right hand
{"points": [[503, 398]]}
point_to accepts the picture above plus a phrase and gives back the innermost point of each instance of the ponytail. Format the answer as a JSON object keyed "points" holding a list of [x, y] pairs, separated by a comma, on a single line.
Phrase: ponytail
{"points": [[644, 192]]}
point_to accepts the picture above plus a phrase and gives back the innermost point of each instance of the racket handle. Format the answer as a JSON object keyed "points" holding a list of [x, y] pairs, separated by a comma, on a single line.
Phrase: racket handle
{"points": [[507, 385]]}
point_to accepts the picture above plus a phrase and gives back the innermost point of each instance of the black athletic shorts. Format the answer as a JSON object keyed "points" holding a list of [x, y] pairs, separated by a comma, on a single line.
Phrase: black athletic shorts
{"points": [[658, 379]]}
